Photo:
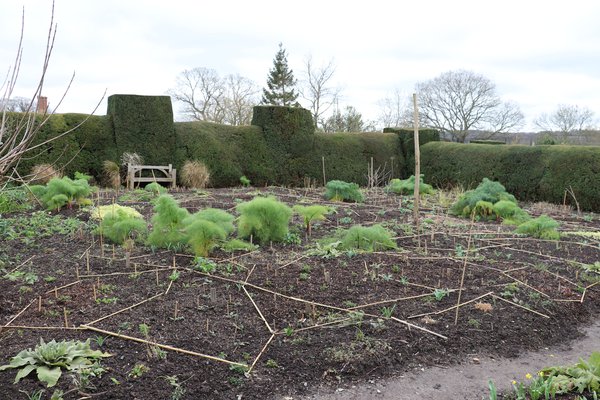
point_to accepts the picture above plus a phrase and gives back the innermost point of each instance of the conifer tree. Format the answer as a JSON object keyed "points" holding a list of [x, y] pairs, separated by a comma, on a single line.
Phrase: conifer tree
{"points": [[281, 83]]}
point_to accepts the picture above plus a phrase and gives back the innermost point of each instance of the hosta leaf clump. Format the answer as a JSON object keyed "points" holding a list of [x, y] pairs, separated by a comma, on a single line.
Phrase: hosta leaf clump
{"points": [[542, 227], [343, 191], [49, 359], [407, 186]]}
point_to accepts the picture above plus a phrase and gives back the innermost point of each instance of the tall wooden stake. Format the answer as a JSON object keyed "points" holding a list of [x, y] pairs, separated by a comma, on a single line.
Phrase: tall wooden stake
{"points": [[417, 164]]}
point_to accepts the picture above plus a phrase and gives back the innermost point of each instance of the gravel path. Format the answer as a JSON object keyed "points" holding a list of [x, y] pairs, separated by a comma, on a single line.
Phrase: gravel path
{"points": [[468, 381]]}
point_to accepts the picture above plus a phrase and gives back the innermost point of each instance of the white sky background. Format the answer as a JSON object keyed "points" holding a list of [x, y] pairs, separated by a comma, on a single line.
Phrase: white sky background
{"points": [[538, 53]]}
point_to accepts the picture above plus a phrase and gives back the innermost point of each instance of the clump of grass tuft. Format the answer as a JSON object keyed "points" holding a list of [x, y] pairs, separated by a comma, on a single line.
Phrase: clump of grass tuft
{"points": [[41, 174], [195, 174], [112, 174]]}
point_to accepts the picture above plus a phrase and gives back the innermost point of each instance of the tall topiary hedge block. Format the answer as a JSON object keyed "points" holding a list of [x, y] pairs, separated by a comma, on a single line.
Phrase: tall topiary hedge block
{"points": [[289, 134], [144, 125]]}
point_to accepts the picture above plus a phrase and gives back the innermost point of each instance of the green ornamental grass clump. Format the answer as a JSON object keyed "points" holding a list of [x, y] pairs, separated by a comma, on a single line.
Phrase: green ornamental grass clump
{"points": [[367, 238], [542, 227], [119, 225], [264, 218], [336, 190], [407, 186], [49, 359], [167, 223], [487, 191]]}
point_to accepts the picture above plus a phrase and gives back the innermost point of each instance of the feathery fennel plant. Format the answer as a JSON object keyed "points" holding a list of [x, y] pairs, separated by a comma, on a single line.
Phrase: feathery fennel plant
{"points": [[167, 223], [264, 218], [407, 186], [542, 227], [488, 191], [337, 190], [367, 238]]}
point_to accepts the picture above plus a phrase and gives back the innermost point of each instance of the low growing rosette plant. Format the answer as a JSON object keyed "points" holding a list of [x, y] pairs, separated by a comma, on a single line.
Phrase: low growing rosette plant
{"points": [[49, 359]]}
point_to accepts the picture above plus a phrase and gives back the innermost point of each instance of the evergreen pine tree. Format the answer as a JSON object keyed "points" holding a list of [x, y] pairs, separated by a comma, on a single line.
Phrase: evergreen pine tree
{"points": [[280, 83]]}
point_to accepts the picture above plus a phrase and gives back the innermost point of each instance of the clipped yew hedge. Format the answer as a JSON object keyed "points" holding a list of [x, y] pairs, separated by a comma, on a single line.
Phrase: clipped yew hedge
{"points": [[228, 151], [406, 138], [82, 150], [143, 125], [531, 173]]}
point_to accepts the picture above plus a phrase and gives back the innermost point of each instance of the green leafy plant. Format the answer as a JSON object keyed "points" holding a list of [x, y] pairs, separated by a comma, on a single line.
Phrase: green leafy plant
{"points": [[585, 375], [49, 359], [337, 190], [407, 186], [205, 265], [178, 389], [244, 181], [388, 311], [138, 370], [488, 191], [156, 188], [238, 245], [13, 199], [371, 238], [439, 294], [310, 214], [542, 227], [264, 218], [510, 213]]}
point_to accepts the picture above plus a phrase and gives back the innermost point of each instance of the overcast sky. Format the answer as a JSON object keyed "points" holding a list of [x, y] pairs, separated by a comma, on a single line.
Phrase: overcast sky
{"points": [[538, 53]]}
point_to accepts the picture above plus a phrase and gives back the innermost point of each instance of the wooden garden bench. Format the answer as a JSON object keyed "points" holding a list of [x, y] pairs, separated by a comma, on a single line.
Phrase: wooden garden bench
{"points": [[160, 173]]}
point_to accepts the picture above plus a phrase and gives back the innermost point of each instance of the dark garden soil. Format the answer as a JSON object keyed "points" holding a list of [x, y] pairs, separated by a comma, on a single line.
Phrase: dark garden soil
{"points": [[297, 320]]}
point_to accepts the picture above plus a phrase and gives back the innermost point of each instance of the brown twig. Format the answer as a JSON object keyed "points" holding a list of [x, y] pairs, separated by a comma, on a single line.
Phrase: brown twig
{"points": [[124, 309], [162, 346]]}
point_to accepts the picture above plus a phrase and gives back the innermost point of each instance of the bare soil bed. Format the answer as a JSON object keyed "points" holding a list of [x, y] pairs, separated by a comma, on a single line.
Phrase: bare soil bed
{"points": [[280, 321]]}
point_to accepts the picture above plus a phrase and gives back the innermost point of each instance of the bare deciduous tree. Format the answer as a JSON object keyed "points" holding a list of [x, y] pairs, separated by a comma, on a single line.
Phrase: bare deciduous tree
{"points": [[201, 91], [458, 101], [241, 95], [17, 132], [566, 120], [208, 97], [395, 110], [316, 92]]}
